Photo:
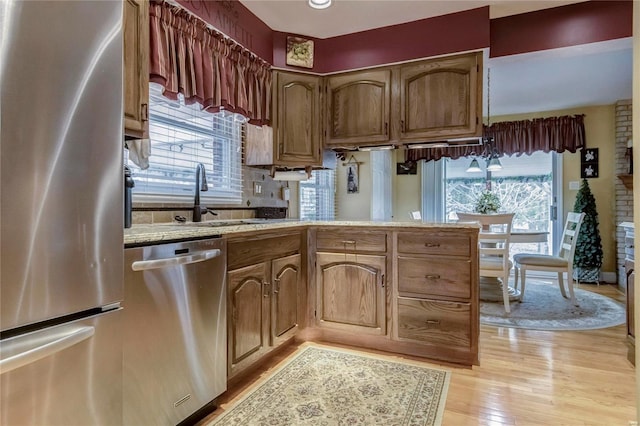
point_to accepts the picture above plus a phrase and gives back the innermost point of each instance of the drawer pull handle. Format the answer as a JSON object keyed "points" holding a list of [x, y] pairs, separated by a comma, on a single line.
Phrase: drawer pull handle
{"points": [[348, 241], [432, 277], [432, 322], [432, 244]]}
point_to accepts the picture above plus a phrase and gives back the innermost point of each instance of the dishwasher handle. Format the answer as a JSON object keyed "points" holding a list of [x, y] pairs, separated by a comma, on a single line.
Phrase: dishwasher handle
{"points": [[56, 343], [200, 256]]}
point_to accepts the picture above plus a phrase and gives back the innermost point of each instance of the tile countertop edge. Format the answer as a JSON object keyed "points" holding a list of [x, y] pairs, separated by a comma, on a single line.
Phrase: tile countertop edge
{"points": [[166, 232]]}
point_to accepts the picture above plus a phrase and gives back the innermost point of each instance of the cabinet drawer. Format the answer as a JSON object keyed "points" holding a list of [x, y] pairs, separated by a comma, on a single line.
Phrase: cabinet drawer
{"points": [[255, 250], [435, 322], [434, 276], [434, 243], [351, 241]]}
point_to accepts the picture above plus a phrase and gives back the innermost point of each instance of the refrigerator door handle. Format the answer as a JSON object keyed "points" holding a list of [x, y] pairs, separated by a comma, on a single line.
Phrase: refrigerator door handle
{"points": [[57, 344], [144, 265]]}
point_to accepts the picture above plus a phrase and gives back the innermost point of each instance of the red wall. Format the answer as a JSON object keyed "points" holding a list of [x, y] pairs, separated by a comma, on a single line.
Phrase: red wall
{"points": [[579, 23], [456, 32], [570, 25]]}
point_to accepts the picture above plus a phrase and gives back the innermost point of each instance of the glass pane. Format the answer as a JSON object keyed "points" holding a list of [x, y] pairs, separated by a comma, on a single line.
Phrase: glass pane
{"points": [[524, 186]]}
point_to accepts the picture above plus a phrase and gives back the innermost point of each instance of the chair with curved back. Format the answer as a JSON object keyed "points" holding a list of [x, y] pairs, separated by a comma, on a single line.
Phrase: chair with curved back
{"points": [[493, 247], [560, 263]]}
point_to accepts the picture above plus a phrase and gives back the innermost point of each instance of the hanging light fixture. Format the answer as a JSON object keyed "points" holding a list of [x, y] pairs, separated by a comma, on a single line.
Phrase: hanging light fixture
{"points": [[319, 4], [494, 164], [474, 166], [490, 153]]}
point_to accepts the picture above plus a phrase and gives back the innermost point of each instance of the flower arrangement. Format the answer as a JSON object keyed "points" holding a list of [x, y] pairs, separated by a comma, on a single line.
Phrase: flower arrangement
{"points": [[487, 202]]}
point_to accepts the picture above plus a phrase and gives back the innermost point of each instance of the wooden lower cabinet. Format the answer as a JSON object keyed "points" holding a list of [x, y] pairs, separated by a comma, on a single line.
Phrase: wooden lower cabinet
{"points": [[436, 307], [285, 279], [631, 329], [248, 316], [263, 309], [351, 292], [434, 321]]}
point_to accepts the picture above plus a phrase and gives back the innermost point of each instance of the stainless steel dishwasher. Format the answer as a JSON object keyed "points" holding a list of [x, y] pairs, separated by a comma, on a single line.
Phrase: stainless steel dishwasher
{"points": [[175, 340]]}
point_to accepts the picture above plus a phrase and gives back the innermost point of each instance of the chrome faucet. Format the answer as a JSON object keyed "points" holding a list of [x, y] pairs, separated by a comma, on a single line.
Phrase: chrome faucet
{"points": [[199, 210]]}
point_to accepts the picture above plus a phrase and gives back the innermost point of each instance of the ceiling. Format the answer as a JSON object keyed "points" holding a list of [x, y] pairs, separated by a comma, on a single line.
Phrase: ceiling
{"points": [[594, 74]]}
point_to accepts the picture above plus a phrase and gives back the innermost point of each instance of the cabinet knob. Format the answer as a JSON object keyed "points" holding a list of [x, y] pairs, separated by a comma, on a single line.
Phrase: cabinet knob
{"points": [[266, 284]]}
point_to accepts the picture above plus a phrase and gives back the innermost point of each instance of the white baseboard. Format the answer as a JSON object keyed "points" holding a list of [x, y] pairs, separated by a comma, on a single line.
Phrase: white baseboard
{"points": [[608, 277]]}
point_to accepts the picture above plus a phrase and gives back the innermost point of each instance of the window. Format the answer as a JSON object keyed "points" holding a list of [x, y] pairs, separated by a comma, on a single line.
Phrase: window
{"points": [[317, 196], [181, 137]]}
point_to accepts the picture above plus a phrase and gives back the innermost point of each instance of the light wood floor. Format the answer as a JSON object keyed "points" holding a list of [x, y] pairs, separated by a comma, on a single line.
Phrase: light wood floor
{"points": [[528, 377]]}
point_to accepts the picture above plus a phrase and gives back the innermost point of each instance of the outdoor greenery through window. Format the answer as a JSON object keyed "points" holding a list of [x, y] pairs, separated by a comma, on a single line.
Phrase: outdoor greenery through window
{"points": [[181, 137], [317, 196], [524, 186]]}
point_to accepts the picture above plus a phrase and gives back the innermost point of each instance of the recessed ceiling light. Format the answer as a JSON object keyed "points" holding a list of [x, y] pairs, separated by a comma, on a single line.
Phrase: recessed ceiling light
{"points": [[319, 4]]}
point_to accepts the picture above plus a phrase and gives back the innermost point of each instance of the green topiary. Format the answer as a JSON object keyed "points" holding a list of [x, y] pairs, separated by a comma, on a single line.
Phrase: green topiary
{"points": [[588, 255]]}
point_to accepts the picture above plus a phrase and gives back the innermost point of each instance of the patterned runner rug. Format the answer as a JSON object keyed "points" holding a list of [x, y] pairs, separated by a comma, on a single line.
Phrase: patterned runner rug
{"points": [[544, 308], [329, 386]]}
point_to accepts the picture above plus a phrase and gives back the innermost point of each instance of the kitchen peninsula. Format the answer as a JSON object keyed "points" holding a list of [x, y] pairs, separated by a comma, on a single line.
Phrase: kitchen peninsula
{"points": [[402, 287]]}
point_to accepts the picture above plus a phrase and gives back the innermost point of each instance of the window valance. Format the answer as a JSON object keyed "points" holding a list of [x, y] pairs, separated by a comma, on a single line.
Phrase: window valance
{"points": [[188, 57], [565, 133]]}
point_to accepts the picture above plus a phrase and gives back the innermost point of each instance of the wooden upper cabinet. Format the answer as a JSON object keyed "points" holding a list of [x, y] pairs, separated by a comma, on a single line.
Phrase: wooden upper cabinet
{"points": [[441, 98], [358, 106], [297, 119], [136, 68]]}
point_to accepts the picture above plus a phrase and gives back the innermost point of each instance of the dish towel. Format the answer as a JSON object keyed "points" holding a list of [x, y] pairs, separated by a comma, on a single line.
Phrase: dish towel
{"points": [[139, 152]]}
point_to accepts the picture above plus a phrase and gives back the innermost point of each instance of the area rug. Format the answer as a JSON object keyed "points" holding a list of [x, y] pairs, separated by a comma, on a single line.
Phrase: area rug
{"points": [[544, 308], [327, 386]]}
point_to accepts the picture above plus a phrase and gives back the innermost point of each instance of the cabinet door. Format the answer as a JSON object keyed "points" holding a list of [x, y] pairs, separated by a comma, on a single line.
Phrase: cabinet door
{"points": [[357, 108], [351, 293], [248, 316], [631, 275], [285, 279], [297, 119], [441, 98], [136, 67]]}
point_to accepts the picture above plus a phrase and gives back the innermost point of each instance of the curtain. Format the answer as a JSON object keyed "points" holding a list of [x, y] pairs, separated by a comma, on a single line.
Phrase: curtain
{"points": [[205, 66], [558, 134]]}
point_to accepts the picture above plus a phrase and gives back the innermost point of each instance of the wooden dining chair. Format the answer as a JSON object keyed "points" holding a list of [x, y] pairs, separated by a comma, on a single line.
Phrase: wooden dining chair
{"points": [[561, 263], [493, 248]]}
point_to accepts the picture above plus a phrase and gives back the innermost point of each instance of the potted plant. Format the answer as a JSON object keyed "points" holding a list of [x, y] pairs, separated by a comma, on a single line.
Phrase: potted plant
{"points": [[588, 256], [487, 202]]}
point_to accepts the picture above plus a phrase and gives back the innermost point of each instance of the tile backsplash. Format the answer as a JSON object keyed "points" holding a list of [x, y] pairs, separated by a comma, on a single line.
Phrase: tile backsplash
{"points": [[258, 190]]}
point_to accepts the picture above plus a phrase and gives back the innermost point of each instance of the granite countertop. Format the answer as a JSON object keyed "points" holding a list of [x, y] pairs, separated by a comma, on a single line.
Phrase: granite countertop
{"points": [[166, 232]]}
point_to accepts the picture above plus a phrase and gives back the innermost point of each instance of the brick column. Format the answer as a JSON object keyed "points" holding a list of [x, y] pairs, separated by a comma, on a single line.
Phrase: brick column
{"points": [[624, 196]]}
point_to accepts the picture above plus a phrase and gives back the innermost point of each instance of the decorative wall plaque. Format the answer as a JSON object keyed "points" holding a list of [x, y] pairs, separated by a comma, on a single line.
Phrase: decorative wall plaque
{"points": [[299, 52], [589, 163]]}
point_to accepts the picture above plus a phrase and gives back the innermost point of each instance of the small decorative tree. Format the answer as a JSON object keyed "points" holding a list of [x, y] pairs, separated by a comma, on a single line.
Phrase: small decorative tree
{"points": [[588, 256]]}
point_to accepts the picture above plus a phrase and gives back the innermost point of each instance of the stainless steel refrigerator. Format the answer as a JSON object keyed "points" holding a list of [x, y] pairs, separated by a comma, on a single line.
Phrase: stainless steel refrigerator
{"points": [[61, 212]]}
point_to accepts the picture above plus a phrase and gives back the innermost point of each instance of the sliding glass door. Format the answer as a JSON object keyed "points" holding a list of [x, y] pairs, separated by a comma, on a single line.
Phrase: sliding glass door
{"points": [[526, 185]]}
